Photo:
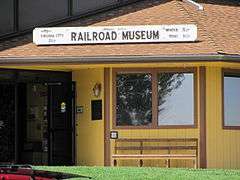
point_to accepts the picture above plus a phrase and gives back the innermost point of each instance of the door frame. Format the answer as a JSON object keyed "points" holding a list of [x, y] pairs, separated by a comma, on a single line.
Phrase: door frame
{"points": [[16, 76], [73, 117]]}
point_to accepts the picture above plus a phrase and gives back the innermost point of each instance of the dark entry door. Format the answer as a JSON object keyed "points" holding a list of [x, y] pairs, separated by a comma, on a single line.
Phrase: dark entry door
{"points": [[61, 123], [7, 123]]}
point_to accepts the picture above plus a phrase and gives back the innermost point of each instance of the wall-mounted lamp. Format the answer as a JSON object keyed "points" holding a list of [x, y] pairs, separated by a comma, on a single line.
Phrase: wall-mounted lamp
{"points": [[97, 89]]}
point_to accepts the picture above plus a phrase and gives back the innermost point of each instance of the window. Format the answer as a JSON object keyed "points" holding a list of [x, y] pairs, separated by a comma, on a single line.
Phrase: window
{"points": [[231, 101], [154, 98], [134, 99], [175, 99]]}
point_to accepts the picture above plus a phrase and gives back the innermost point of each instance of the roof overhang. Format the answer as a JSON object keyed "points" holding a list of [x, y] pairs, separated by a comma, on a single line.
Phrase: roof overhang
{"points": [[119, 59]]}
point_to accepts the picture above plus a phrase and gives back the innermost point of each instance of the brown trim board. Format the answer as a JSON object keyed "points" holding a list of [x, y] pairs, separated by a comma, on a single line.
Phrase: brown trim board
{"points": [[202, 93], [40, 60], [107, 161]]}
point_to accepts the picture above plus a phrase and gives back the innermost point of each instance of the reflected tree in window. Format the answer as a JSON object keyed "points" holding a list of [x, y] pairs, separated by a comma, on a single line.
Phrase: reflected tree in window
{"points": [[167, 83], [134, 99]]}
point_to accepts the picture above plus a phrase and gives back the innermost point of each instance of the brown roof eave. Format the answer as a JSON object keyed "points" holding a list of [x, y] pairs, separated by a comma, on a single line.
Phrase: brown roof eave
{"points": [[119, 59]]}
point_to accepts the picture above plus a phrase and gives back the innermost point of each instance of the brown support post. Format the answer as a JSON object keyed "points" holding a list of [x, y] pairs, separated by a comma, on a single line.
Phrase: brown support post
{"points": [[167, 163], [107, 159], [203, 151]]}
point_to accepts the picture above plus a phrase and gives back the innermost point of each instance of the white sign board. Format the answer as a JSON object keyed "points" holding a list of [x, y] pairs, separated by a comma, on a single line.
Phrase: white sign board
{"points": [[115, 34]]}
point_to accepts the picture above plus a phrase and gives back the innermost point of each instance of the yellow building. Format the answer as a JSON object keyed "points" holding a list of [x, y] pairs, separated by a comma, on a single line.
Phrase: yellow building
{"points": [[145, 91]]}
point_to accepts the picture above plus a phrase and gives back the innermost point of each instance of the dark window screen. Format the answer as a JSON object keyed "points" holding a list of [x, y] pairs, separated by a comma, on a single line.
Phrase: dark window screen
{"points": [[82, 6], [6, 17], [134, 99], [32, 12]]}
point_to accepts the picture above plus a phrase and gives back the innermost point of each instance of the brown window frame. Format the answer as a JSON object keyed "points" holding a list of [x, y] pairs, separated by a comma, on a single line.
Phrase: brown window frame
{"points": [[154, 72], [228, 72]]}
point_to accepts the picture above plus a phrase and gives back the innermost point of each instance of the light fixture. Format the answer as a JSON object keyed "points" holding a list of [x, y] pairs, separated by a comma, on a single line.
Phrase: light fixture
{"points": [[97, 89]]}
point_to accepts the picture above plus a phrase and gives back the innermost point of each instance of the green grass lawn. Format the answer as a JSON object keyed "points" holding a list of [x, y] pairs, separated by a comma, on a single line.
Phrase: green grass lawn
{"points": [[132, 173]]}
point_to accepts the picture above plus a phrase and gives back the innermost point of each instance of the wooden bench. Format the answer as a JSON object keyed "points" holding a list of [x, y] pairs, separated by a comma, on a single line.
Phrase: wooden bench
{"points": [[163, 148]]}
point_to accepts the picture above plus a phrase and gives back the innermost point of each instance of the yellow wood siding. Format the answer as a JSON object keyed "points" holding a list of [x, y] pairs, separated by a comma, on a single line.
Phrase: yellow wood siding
{"points": [[90, 134], [223, 146]]}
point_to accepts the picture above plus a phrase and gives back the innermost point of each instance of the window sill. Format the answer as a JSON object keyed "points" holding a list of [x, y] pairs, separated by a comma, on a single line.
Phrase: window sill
{"points": [[231, 127], [157, 127]]}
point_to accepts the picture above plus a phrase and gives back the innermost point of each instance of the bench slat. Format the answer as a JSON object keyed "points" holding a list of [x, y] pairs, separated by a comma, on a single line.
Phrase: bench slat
{"points": [[158, 140], [153, 156], [156, 148]]}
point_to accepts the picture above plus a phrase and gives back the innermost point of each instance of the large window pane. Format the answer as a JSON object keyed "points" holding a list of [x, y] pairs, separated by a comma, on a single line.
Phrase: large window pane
{"points": [[6, 16], [34, 13], [231, 101], [82, 6], [175, 99], [134, 99]]}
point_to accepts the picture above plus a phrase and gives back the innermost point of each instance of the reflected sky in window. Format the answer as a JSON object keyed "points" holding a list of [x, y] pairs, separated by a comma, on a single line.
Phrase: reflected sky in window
{"points": [[231, 101], [175, 99]]}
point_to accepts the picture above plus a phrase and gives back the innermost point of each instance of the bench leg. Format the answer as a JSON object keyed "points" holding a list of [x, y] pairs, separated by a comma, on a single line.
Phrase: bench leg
{"points": [[114, 162], [167, 162], [141, 163], [195, 163]]}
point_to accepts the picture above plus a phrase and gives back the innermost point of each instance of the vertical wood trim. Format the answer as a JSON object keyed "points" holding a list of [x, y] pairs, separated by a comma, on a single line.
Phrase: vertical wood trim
{"points": [[114, 99], [107, 161], [202, 82], [222, 81], [154, 99]]}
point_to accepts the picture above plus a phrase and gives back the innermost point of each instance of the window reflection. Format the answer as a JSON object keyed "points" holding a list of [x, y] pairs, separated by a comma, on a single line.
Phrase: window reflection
{"points": [[231, 101], [175, 99], [134, 99]]}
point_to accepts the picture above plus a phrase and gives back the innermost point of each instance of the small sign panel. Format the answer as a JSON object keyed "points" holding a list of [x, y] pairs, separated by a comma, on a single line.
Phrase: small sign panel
{"points": [[79, 109], [96, 107], [114, 135], [115, 34]]}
